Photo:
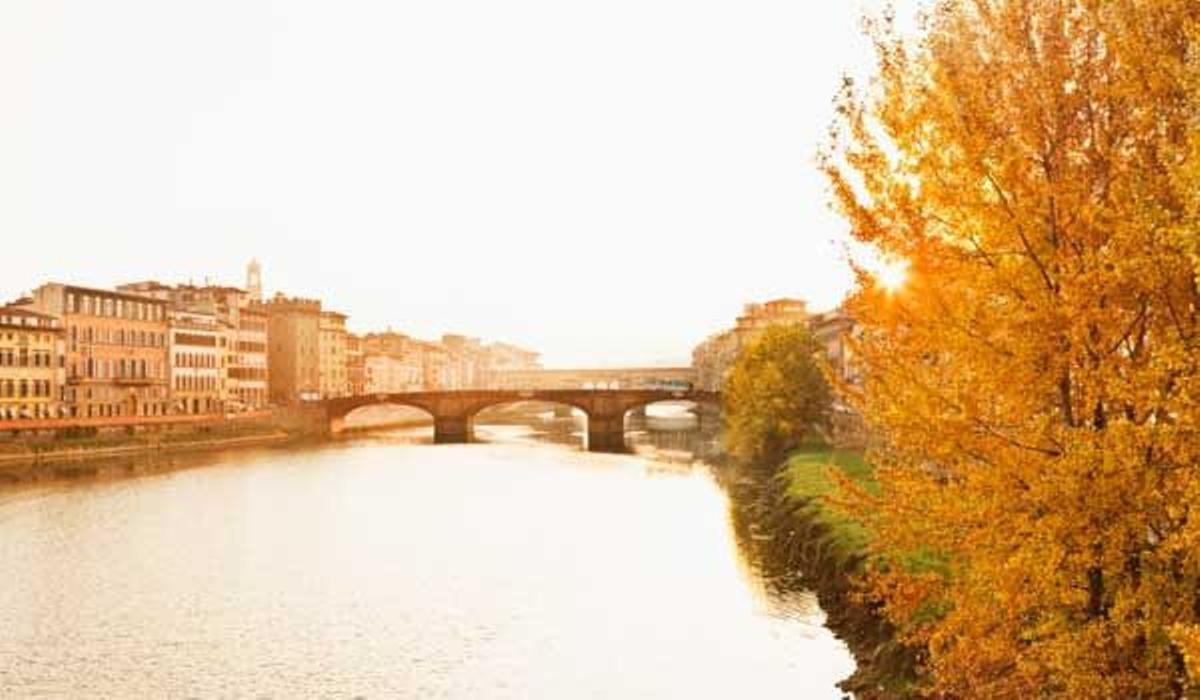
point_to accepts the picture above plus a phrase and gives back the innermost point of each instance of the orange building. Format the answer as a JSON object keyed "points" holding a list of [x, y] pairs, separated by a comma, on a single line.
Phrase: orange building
{"points": [[116, 355]]}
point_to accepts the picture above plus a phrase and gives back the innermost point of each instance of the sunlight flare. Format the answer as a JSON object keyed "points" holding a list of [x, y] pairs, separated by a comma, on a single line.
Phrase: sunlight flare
{"points": [[892, 274]]}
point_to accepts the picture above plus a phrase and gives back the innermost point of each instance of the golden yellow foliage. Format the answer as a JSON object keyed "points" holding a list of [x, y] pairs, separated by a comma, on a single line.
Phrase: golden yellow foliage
{"points": [[1034, 384]]}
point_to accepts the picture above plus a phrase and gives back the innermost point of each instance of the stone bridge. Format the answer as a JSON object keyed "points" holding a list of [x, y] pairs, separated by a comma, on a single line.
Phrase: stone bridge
{"points": [[607, 378], [454, 411]]}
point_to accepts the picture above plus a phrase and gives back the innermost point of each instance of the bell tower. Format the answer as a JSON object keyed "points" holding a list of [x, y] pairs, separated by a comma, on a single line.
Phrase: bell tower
{"points": [[254, 280]]}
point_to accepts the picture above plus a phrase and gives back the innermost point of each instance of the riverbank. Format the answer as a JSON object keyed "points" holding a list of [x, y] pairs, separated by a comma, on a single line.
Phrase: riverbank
{"points": [[23, 461], [802, 533]]}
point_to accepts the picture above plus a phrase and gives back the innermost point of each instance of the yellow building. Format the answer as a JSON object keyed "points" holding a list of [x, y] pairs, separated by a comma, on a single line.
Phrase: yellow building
{"points": [[30, 364], [333, 355]]}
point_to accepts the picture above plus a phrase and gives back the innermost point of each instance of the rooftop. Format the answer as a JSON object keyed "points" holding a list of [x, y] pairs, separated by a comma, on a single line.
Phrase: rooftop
{"points": [[131, 296]]}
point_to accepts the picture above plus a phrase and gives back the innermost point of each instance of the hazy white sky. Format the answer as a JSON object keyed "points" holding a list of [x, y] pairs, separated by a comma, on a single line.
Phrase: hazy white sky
{"points": [[606, 182]]}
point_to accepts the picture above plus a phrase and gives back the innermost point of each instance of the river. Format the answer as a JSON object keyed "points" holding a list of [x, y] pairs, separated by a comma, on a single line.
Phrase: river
{"points": [[381, 567]]}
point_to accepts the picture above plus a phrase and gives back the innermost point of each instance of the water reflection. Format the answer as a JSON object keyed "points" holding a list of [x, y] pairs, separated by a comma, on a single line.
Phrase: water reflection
{"points": [[377, 567]]}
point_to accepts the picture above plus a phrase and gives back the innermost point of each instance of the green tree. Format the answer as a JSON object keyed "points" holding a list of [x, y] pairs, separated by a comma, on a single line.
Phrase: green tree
{"points": [[776, 396]]}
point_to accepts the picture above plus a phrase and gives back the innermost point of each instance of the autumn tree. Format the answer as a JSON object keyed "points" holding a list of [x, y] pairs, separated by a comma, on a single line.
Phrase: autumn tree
{"points": [[1034, 386], [775, 396]]}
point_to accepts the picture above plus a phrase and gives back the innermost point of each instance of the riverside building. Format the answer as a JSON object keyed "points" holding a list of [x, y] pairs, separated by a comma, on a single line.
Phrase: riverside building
{"points": [[387, 373], [116, 349], [293, 354], [31, 364], [356, 368], [243, 370], [714, 357], [248, 371], [333, 358], [198, 344]]}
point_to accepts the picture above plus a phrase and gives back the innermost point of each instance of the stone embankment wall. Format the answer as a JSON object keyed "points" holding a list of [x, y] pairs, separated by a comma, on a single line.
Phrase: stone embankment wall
{"points": [[26, 446]]}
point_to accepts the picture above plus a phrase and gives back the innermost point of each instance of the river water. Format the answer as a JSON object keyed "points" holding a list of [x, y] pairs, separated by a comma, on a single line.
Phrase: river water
{"points": [[383, 567]]}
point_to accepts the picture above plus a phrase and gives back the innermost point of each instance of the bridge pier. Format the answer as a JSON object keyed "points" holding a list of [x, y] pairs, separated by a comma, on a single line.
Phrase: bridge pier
{"points": [[452, 430], [606, 433], [707, 417]]}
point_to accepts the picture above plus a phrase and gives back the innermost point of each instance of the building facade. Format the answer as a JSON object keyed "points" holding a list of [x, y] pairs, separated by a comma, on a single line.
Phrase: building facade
{"points": [[834, 330], [500, 359], [714, 358], [293, 354], [757, 317], [31, 364], [198, 352], [333, 368], [437, 368], [386, 373], [356, 369], [243, 347], [467, 359], [249, 374], [116, 349]]}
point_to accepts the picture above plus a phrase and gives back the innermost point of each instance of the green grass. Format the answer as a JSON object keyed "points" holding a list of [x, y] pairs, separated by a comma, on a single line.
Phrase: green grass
{"points": [[807, 474], [808, 477]]}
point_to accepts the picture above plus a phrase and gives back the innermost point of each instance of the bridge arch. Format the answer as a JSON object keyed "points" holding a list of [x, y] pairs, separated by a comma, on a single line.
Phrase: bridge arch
{"points": [[698, 400], [562, 428], [700, 408], [411, 414], [484, 405], [337, 410]]}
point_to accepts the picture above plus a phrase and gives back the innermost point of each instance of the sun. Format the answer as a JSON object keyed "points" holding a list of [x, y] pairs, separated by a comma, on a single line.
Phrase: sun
{"points": [[892, 274]]}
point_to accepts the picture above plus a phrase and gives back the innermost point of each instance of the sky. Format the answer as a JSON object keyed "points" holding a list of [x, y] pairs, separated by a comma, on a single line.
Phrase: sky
{"points": [[605, 182]]}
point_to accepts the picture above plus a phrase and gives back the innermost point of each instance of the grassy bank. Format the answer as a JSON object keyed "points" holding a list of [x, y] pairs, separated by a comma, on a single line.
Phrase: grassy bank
{"points": [[830, 548], [808, 481]]}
